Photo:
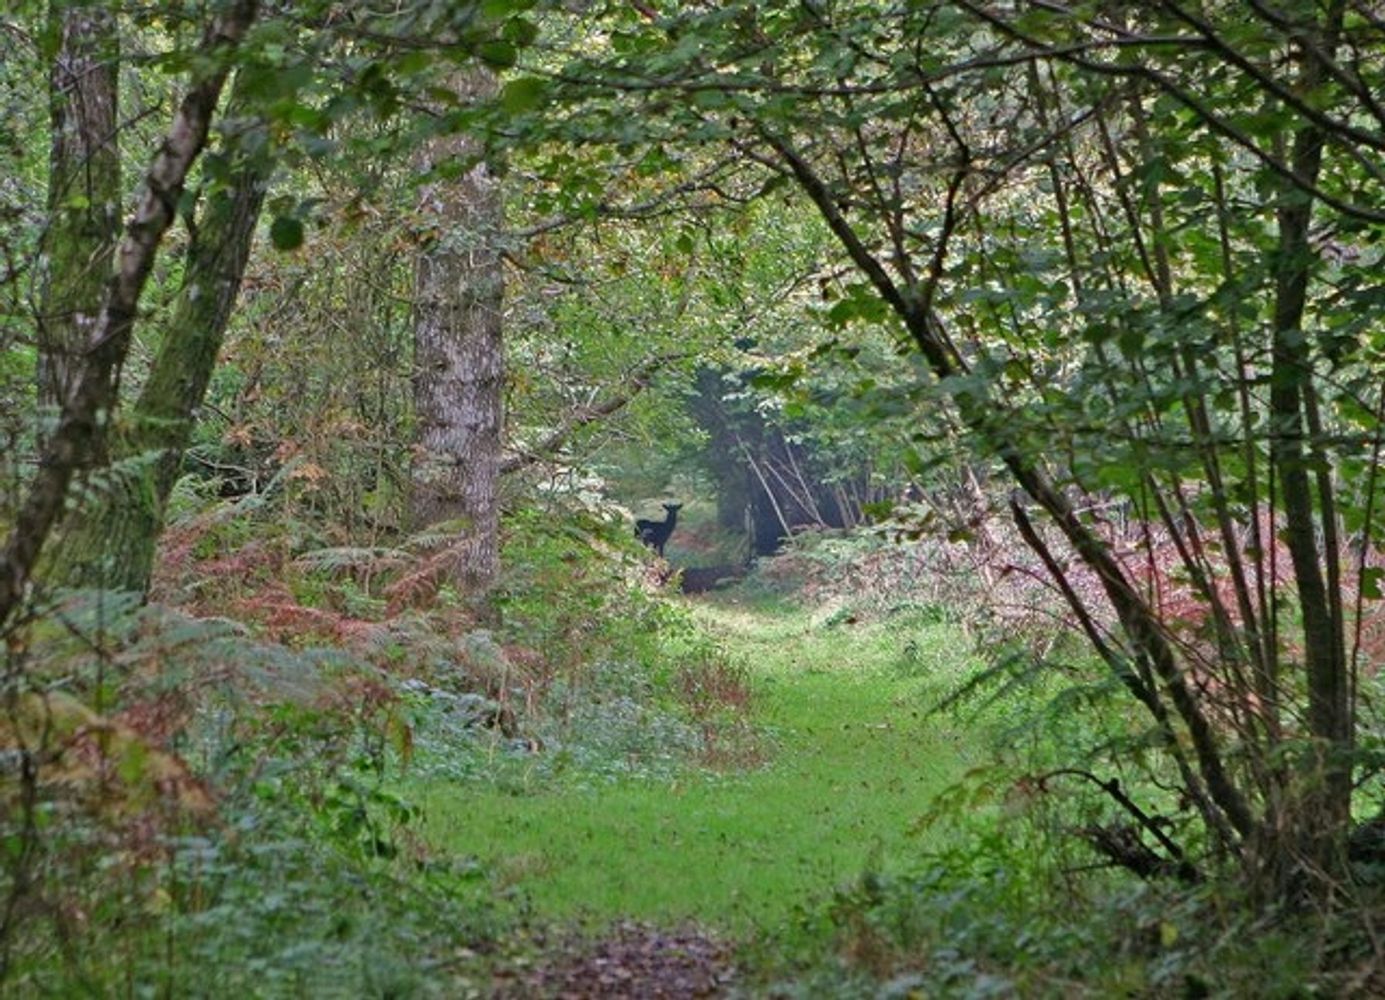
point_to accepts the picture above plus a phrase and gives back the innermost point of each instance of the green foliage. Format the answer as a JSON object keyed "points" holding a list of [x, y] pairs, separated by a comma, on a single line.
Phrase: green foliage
{"points": [[978, 934], [589, 661], [264, 909], [283, 863], [1098, 281], [286, 233]]}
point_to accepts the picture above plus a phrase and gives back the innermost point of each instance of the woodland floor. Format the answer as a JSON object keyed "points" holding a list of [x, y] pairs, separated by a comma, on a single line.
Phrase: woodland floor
{"points": [[652, 884]]}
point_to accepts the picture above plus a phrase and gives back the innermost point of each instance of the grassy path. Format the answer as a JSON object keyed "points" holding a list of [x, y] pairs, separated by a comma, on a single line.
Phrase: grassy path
{"points": [[856, 762]]}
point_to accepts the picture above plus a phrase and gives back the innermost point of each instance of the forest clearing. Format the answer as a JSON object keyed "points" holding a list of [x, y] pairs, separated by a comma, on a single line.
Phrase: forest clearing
{"points": [[805, 498], [851, 763]]}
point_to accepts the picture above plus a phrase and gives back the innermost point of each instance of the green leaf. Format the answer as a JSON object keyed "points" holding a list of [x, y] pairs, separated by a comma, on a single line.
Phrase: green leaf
{"points": [[523, 94], [859, 303], [710, 100], [878, 510], [413, 63], [1370, 582], [286, 233], [497, 53], [521, 31], [133, 763], [498, 9]]}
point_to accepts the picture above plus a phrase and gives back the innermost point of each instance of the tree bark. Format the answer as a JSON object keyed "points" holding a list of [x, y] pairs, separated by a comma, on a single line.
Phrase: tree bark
{"points": [[459, 369], [90, 400], [83, 190], [110, 542], [1323, 817]]}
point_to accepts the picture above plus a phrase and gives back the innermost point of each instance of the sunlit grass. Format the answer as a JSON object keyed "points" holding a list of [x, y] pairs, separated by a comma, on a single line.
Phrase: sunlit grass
{"points": [[856, 761]]}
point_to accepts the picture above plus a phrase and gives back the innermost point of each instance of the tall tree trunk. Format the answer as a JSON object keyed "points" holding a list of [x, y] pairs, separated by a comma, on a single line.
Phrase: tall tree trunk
{"points": [[1324, 808], [458, 354], [79, 432], [83, 189], [110, 541]]}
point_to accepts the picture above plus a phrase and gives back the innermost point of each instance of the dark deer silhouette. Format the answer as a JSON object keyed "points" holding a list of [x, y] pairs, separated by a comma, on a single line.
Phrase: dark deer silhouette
{"points": [[655, 533]]}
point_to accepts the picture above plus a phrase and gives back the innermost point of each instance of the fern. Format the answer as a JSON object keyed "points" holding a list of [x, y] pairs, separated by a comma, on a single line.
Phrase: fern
{"points": [[354, 559]]}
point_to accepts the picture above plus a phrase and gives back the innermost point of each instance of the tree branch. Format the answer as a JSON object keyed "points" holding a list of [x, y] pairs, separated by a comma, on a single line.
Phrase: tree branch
{"points": [[635, 384]]}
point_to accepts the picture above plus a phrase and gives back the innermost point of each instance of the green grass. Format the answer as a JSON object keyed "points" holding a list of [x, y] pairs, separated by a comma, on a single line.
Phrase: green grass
{"points": [[856, 761]]}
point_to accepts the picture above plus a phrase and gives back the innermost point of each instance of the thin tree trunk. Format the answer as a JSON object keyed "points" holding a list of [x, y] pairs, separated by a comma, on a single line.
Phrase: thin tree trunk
{"points": [[110, 542], [1224, 802], [1325, 810], [459, 369], [764, 485], [83, 190]]}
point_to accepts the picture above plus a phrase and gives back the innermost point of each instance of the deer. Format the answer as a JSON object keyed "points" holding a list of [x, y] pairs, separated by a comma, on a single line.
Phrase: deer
{"points": [[655, 533]]}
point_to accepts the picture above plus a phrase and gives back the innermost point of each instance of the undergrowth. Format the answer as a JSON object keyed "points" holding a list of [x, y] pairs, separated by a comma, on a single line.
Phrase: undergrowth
{"points": [[211, 792], [1025, 883], [310, 768]]}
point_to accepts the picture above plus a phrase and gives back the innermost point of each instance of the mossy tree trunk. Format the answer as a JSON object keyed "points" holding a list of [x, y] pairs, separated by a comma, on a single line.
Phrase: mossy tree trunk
{"points": [[83, 190], [459, 370], [111, 539], [79, 432]]}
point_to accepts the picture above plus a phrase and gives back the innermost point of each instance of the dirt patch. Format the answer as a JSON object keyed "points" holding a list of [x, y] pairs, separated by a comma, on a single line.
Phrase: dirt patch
{"points": [[631, 960]]}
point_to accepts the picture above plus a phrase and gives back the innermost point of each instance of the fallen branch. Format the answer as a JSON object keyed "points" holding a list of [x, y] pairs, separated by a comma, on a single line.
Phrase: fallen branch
{"points": [[1122, 844]]}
